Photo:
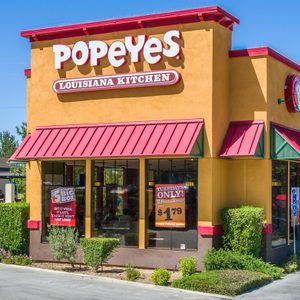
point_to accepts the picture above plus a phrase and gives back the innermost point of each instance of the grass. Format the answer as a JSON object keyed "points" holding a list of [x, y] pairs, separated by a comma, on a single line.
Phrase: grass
{"points": [[224, 282]]}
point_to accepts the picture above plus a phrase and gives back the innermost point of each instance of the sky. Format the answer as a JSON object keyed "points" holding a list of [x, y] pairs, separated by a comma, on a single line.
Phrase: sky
{"points": [[273, 23]]}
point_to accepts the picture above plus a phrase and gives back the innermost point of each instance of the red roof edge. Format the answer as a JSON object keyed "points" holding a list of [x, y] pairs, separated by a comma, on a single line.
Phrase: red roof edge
{"points": [[213, 13], [263, 51]]}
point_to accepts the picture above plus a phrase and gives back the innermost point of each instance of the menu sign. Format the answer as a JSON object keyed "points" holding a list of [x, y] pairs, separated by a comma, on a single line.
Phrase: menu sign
{"points": [[170, 205], [63, 207]]}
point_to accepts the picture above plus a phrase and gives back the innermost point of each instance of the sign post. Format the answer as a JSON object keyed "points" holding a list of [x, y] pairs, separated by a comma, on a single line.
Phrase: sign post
{"points": [[294, 205]]}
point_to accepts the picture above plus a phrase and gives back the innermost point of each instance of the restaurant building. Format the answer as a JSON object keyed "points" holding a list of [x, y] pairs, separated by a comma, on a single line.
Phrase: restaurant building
{"points": [[144, 128]]}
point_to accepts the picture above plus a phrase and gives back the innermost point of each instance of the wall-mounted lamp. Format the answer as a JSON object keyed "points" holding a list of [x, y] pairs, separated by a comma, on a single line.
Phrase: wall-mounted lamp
{"points": [[279, 100]]}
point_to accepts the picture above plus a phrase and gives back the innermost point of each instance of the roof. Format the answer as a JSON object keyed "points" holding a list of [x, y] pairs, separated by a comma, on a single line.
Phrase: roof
{"points": [[243, 138], [152, 138], [9, 175], [195, 15], [264, 51]]}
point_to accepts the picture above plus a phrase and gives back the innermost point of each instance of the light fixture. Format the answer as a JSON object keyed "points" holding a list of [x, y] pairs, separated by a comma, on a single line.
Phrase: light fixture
{"points": [[279, 100]]}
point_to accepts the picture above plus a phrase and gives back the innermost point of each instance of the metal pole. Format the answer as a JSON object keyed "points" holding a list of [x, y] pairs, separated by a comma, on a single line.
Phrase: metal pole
{"points": [[294, 235]]}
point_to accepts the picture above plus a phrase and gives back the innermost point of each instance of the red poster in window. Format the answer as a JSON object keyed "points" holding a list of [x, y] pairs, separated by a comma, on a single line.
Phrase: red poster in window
{"points": [[63, 207], [170, 205]]}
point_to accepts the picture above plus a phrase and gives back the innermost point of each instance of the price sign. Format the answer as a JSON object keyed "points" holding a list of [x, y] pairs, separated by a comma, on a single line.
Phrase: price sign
{"points": [[170, 205], [294, 200]]}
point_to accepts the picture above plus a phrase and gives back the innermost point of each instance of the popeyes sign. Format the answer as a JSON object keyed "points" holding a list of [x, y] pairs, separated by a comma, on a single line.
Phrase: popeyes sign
{"points": [[153, 50], [292, 93]]}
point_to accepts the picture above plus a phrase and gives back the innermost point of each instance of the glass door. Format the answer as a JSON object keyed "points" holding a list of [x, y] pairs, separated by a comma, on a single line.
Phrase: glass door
{"points": [[294, 184]]}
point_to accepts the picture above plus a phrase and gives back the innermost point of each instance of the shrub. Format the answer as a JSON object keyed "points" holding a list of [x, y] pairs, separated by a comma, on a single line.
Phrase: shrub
{"points": [[4, 254], [291, 265], [222, 260], [243, 229], [187, 265], [22, 260], [63, 242], [14, 235], [160, 276], [98, 250], [225, 282], [132, 274]]}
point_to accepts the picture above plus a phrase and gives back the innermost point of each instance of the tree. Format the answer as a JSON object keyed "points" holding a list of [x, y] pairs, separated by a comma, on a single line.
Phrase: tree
{"points": [[8, 144], [20, 168], [21, 130]]}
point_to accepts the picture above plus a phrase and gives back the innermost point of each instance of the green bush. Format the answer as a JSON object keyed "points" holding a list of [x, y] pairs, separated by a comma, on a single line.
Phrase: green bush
{"points": [[22, 260], [223, 259], [4, 254], [160, 276], [132, 274], [243, 229], [291, 265], [14, 235], [63, 243], [98, 250], [187, 265], [224, 282]]}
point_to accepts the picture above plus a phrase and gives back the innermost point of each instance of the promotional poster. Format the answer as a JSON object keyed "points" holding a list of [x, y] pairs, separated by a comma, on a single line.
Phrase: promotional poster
{"points": [[170, 205], [63, 207]]}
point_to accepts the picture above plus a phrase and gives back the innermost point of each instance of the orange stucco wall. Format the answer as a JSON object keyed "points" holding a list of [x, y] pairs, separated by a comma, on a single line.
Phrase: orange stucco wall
{"points": [[255, 85], [213, 86], [188, 99], [204, 68]]}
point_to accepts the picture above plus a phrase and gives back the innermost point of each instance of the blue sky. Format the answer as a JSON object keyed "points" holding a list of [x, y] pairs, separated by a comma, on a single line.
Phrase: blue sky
{"points": [[262, 23]]}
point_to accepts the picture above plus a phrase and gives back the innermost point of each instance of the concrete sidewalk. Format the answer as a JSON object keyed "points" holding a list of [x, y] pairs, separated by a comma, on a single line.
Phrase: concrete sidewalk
{"points": [[287, 288], [24, 283]]}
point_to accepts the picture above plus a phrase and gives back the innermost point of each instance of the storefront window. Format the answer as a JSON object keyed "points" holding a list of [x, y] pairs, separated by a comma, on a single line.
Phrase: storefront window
{"points": [[171, 198], [115, 200], [295, 183], [60, 174], [279, 203]]}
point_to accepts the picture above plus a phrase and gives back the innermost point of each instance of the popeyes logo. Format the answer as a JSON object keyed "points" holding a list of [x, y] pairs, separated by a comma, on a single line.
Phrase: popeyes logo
{"points": [[292, 93], [92, 52], [153, 50]]}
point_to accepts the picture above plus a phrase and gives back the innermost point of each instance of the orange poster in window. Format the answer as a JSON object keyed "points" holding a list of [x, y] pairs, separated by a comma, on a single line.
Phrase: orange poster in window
{"points": [[170, 205]]}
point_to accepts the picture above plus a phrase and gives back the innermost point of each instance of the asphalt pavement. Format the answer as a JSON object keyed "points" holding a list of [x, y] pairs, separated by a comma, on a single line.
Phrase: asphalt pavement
{"points": [[23, 283]]}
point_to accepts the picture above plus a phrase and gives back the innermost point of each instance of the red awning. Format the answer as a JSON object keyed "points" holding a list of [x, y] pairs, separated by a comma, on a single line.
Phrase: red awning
{"points": [[243, 138], [152, 138]]}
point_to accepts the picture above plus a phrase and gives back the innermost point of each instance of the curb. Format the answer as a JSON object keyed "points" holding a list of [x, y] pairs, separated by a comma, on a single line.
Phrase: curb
{"points": [[107, 279]]}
